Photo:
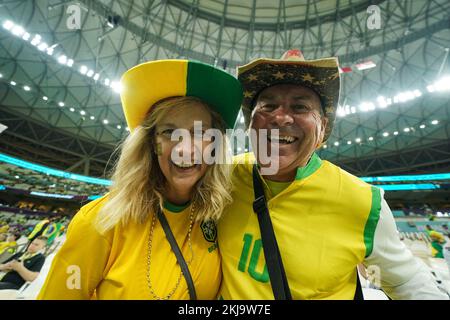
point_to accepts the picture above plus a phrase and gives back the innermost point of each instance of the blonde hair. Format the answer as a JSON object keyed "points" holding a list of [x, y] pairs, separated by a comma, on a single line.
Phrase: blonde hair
{"points": [[132, 198]]}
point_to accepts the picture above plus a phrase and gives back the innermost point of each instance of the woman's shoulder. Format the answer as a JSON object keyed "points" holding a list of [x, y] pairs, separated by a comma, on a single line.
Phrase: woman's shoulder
{"points": [[84, 221], [90, 210]]}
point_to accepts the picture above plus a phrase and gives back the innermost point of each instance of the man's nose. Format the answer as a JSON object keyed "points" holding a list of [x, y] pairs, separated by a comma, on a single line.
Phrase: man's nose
{"points": [[282, 116]]}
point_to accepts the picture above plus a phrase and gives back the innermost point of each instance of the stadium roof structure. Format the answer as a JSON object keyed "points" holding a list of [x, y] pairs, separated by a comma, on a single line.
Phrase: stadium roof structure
{"points": [[60, 62]]}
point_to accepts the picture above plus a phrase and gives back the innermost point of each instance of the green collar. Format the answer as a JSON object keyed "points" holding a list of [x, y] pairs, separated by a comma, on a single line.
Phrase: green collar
{"points": [[173, 207], [312, 166]]}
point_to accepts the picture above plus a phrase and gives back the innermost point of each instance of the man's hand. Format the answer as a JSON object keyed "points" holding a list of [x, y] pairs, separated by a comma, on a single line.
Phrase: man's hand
{"points": [[5, 267], [16, 265]]}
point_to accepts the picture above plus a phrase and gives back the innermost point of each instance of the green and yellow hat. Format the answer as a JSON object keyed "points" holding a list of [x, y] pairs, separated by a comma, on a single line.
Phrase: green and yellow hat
{"points": [[149, 82]]}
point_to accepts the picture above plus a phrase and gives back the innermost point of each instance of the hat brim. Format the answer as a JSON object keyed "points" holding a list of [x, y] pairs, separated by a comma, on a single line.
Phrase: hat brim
{"points": [[146, 84], [321, 75]]}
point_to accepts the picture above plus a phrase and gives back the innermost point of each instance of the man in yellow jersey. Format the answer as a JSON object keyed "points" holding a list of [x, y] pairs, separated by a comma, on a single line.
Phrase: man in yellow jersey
{"points": [[325, 220]]}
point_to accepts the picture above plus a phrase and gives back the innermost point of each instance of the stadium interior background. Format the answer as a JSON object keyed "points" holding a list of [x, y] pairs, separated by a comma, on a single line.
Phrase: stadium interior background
{"points": [[61, 116]]}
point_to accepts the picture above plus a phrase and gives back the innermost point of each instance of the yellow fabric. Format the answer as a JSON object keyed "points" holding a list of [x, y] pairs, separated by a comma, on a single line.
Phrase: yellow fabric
{"points": [[319, 223], [114, 265], [5, 245], [149, 82], [276, 187]]}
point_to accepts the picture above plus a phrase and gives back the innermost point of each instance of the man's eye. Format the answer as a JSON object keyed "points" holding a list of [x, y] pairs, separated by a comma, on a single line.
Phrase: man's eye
{"points": [[300, 108], [268, 107]]}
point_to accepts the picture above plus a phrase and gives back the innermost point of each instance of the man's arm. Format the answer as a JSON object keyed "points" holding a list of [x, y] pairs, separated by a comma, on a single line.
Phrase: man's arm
{"points": [[26, 274], [401, 275]]}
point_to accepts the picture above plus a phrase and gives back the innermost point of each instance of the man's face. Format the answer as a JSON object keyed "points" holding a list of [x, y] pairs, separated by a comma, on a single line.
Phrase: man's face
{"points": [[36, 245], [296, 112]]}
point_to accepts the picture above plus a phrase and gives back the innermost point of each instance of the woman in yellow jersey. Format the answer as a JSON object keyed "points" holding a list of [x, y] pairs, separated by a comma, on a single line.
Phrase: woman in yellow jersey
{"points": [[119, 246]]}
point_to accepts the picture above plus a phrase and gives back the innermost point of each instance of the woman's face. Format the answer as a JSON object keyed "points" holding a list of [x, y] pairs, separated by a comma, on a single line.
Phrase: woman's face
{"points": [[181, 161]]}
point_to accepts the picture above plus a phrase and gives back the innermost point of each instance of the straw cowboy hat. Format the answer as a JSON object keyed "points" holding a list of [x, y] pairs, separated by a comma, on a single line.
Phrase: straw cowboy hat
{"points": [[322, 76]]}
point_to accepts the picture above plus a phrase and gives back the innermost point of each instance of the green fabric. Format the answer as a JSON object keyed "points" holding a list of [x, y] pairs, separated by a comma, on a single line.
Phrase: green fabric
{"points": [[227, 105], [175, 208], [276, 187], [438, 247], [372, 220], [313, 165]]}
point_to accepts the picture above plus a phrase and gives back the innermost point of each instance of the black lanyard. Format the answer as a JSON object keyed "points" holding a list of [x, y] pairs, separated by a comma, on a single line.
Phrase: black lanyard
{"points": [[176, 249], [277, 275]]}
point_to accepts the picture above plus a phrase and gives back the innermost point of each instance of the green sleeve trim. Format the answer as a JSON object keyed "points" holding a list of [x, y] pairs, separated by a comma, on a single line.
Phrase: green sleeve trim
{"points": [[372, 220]]}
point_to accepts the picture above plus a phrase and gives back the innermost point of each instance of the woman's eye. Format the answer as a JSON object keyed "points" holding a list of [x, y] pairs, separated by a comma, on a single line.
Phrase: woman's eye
{"points": [[166, 132]]}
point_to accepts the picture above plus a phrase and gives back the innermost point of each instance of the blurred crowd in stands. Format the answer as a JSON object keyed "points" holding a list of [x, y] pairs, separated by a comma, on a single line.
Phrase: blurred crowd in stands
{"points": [[24, 179], [25, 243]]}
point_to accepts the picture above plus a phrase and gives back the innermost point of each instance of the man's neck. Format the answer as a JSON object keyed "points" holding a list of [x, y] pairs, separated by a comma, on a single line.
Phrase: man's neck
{"points": [[283, 177]]}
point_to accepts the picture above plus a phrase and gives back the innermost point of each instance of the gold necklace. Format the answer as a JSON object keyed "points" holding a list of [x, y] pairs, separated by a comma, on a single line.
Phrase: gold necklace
{"points": [[150, 238]]}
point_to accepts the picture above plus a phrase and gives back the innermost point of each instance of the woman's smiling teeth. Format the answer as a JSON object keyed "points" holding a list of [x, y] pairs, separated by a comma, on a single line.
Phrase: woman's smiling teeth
{"points": [[282, 139], [184, 165]]}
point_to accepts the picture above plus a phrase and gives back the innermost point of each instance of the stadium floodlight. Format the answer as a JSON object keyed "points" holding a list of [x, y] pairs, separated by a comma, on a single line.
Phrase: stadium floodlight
{"points": [[366, 106], [96, 76], [370, 138], [358, 140], [324, 146], [17, 31], [44, 98], [435, 122], [395, 133], [385, 134], [430, 88], [83, 69], [406, 129], [352, 109], [1, 76], [36, 40], [90, 73], [116, 86], [62, 59], [106, 82], [92, 117], [422, 126], [119, 126], [70, 62], [336, 143], [26, 88], [417, 93], [8, 25], [382, 103], [105, 121], [82, 112], [442, 84], [349, 142], [50, 51], [61, 104], [13, 83], [340, 111], [26, 36], [72, 109], [42, 46]]}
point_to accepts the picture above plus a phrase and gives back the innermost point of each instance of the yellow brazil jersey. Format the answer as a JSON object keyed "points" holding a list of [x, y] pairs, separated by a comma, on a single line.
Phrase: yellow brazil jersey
{"points": [[114, 265], [324, 222]]}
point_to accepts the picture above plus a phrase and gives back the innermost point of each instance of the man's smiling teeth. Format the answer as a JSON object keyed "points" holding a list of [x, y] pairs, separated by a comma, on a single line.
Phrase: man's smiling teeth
{"points": [[283, 139]]}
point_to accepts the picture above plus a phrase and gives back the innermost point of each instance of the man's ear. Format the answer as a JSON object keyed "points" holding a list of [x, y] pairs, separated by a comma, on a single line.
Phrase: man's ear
{"points": [[324, 123]]}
